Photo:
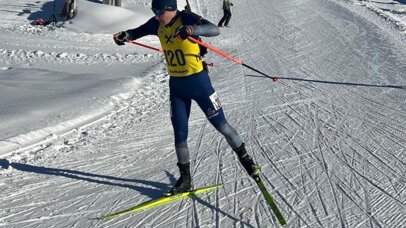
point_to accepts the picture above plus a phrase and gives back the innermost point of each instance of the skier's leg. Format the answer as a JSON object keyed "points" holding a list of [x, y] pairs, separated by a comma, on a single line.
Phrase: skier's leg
{"points": [[249, 165], [234, 139], [180, 111], [210, 104], [227, 17], [220, 24]]}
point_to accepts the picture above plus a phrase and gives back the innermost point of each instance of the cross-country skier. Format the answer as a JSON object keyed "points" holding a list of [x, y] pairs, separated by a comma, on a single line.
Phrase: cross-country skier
{"points": [[188, 81]]}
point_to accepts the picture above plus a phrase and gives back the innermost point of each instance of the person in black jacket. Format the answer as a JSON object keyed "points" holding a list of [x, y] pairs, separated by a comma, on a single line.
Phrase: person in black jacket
{"points": [[227, 13]]}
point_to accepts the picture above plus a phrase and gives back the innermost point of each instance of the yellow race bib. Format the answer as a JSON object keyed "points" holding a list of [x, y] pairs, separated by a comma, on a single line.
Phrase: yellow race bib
{"points": [[182, 56]]}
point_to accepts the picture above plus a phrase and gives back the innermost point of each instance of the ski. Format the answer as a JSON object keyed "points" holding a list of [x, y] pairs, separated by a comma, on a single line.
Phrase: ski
{"points": [[156, 202], [270, 201]]}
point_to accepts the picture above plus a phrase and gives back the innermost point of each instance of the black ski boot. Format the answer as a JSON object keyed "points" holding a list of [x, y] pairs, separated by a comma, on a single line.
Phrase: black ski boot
{"points": [[184, 182], [252, 169]]}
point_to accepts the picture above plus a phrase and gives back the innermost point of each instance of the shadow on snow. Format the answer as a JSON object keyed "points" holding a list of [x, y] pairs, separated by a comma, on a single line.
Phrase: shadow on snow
{"points": [[47, 10], [157, 188], [330, 82]]}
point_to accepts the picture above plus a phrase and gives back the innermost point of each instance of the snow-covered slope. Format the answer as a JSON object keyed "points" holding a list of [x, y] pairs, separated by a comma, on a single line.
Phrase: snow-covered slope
{"points": [[54, 79], [99, 18], [85, 125]]}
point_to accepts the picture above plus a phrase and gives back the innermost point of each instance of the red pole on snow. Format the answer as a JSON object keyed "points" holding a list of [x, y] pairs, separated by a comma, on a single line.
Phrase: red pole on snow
{"points": [[238, 61]]}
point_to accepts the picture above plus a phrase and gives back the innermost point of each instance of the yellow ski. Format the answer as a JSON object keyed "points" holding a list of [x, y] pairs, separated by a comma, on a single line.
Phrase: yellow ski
{"points": [[270, 201], [159, 201]]}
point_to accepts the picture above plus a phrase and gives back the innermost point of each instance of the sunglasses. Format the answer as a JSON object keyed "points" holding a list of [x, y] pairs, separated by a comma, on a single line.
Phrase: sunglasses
{"points": [[158, 12]]}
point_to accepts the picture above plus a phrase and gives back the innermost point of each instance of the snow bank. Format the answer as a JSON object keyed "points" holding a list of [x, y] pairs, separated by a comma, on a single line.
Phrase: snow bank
{"points": [[99, 18], [39, 105], [54, 82]]}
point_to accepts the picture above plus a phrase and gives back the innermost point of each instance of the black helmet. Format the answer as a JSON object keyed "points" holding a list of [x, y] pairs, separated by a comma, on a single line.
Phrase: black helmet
{"points": [[167, 5]]}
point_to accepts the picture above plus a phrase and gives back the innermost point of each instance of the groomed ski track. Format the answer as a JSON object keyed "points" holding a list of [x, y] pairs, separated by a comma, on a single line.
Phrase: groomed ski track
{"points": [[331, 147]]}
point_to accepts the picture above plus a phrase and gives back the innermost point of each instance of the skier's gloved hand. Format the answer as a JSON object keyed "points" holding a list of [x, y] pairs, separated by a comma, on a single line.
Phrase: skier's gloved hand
{"points": [[120, 37], [183, 31]]}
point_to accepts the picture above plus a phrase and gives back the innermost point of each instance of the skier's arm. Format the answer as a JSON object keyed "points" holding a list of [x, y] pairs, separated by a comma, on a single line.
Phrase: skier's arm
{"points": [[149, 28], [206, 28], [199, 26]]}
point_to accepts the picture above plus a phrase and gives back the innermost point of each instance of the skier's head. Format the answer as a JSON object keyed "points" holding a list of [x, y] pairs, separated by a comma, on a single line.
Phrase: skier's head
{"points": [[160, 6], [164, 10]]}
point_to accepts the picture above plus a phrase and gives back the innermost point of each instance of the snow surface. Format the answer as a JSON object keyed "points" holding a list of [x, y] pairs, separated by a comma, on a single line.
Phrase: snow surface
{"points": [[85, 128]]}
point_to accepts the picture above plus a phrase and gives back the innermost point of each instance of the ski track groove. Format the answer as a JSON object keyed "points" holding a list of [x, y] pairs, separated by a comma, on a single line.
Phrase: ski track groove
{"points": [[370, 182], [323, 164], [254, 208], [219, 176], [379, 169], [235, 201], [317, 189], [355, 192], [195, 218], [364, 210]]}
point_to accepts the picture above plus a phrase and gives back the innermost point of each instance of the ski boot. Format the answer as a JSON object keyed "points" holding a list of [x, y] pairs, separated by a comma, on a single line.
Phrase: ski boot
{"points": [[252, 169], [184, 182]]}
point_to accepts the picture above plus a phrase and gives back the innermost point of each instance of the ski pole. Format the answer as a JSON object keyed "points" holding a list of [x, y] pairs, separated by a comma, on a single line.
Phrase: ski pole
{"points": [[238, 61], [144, 45]]}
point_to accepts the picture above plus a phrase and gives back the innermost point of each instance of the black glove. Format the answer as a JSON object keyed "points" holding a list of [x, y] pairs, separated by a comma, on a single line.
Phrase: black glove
{"points": [[120, 38], [183, 31]]}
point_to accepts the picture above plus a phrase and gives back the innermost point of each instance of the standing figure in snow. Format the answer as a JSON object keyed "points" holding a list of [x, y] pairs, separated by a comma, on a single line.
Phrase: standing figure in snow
{"points": [[227, 13], [188, 81]]}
